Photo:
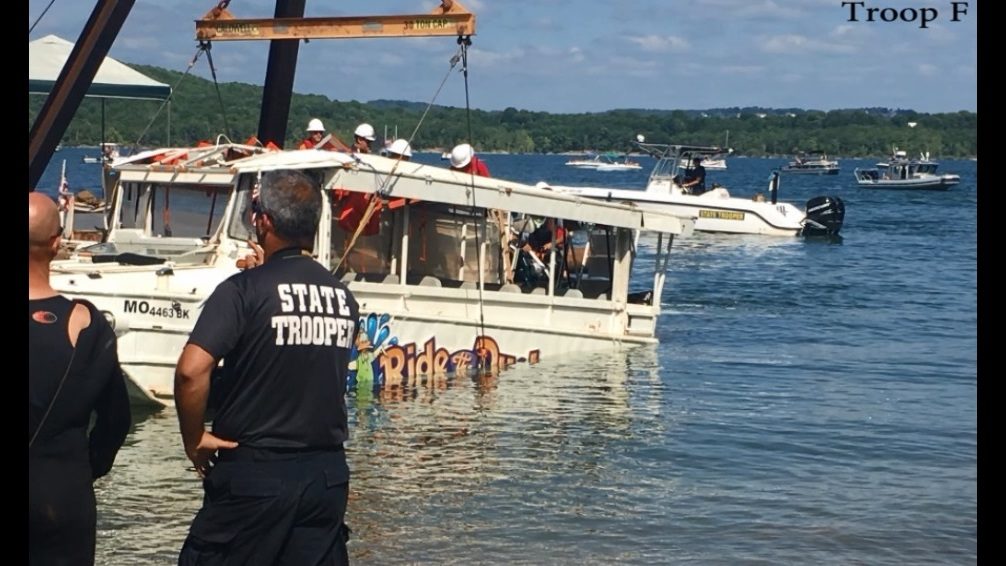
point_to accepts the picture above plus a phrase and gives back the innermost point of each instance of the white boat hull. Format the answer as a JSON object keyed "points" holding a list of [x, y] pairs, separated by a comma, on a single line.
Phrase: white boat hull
{"points": [[713, 212], [940, 183], [810, 170], [619, 167], [434, 329], [436, 322]]}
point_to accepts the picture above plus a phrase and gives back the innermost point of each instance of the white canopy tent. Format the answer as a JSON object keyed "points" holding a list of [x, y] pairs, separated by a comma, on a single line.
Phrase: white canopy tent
{"points": [[47, 55]]}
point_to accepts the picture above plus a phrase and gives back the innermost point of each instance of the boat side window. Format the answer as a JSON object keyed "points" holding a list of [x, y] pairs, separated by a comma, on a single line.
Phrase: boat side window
{"points": [[239, 226], [441, 242]]}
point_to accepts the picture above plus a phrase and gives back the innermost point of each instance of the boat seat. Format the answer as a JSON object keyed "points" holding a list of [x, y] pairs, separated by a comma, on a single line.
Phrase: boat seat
{"points": [[510, 288], [469, 285], [539, 291], [430, 281], [349, 277], [391, 279], [573, 294]]}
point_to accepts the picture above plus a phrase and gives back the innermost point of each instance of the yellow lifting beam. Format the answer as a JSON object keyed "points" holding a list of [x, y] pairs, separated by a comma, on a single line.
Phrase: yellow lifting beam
{"points": [[450, 19]]}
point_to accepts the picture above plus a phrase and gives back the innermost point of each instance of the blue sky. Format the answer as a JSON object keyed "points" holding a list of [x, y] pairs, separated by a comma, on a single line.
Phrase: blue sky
{"points": [[592, 55]]}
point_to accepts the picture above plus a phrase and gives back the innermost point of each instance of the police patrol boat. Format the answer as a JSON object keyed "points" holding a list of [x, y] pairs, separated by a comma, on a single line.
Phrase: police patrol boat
{"points": [[901, 172], [715, 210], [431, 254]]}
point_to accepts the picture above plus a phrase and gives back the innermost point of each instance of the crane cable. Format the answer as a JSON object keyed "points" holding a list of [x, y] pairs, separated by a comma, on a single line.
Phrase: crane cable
{"points": [[204, 47], [464, 42], [40, 16], [384, 183]]}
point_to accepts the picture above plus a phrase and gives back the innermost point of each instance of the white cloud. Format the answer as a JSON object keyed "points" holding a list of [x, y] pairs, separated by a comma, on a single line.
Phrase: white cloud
{"points": [[746, 9], [742, 70], [140, 42], [801, 44], [661, 43], [844, 30]]}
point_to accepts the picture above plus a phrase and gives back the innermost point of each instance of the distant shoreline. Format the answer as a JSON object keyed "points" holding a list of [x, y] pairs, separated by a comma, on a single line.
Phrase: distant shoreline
{"points": [[437, 151]]}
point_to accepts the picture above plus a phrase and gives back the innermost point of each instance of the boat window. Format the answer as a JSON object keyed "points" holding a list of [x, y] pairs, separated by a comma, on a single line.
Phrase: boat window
{"points": [[170, 221], [442, 242], [240, 225], [174, 211]]}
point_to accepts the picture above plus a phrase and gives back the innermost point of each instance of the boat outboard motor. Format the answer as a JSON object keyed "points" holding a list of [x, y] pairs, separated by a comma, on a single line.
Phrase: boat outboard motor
{"points": [[824, 216], [773, 187]]}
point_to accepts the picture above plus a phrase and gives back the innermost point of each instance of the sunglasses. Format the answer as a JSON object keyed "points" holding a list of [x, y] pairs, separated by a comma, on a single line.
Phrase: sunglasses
{"points": [[59, 232]]}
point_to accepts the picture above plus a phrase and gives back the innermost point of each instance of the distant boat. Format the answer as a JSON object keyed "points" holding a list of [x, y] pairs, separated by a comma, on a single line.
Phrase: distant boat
{"points": [[900, 172], [715, 210], [607, 162], [109, 153], [811, 163], [715, 164]]}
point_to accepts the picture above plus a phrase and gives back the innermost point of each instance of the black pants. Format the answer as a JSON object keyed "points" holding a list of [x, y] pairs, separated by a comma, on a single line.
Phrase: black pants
{"points": [[61, 512], [263, 507]]}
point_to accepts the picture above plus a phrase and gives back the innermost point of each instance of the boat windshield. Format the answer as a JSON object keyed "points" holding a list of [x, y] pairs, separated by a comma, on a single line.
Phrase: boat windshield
{"points": [[165, 221]]}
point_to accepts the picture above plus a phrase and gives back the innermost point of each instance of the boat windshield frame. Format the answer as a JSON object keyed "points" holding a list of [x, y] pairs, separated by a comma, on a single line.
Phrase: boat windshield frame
{"points": [[670, 156]]}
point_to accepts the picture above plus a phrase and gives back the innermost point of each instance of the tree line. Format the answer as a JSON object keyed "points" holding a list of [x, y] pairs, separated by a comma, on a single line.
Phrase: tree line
{"points": [[196, 114]]}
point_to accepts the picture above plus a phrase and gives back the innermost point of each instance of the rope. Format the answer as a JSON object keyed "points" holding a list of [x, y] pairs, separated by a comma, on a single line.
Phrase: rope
{"points": [[171, 94], [386, 181], [32, 28], [206, 46]]}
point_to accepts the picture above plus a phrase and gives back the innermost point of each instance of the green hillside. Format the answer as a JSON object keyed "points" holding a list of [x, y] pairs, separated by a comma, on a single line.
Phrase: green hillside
{"points": [[196, 114]]}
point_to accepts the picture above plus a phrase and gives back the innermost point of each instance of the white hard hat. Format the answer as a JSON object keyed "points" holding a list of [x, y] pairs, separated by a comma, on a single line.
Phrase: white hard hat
{"points": [[365, 131], [315, 125], [400, 147], [461, 155]]}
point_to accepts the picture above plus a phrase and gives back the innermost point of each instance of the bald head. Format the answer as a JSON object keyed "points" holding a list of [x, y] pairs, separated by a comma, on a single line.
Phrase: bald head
{"points": [[43, 219]]}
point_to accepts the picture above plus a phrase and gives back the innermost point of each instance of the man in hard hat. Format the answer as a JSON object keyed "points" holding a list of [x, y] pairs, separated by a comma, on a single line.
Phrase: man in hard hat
{"points": [[399, 149], [463, 159], [362, 136], [316, 135]]}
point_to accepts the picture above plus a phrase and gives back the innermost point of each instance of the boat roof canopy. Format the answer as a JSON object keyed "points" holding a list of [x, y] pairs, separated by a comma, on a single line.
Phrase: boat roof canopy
{"points": [[205, 165], [369, 173], [666, 150], [48, 55]]}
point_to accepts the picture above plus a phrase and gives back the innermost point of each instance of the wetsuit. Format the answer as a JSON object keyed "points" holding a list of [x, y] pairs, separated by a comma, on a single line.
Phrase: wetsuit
{"points": [[63, 459], [284, 331]]}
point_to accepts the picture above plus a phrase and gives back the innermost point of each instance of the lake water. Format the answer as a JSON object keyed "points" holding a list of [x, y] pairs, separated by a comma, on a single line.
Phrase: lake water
{"points": [[809, 402]]}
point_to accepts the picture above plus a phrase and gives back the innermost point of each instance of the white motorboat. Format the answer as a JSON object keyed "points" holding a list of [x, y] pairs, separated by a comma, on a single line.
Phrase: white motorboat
{"points": [[714, 164], [811, 163], [900, 172], [433, 280], [715, 210], [607, 162]]}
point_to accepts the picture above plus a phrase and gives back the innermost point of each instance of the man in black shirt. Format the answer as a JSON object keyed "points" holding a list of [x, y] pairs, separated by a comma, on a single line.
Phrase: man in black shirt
{"points": [[695, 182], [276, 478]]}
